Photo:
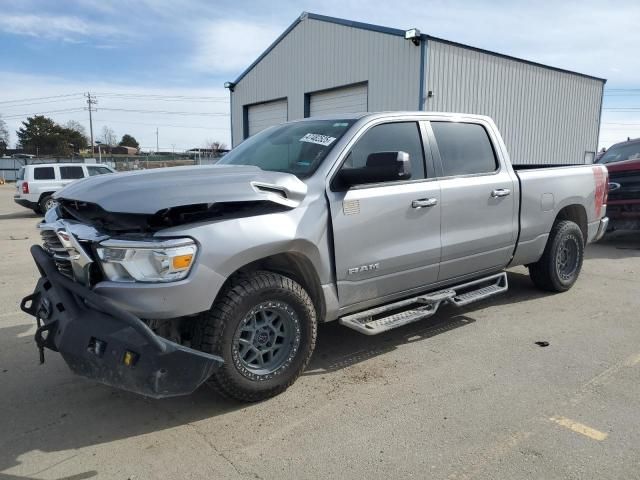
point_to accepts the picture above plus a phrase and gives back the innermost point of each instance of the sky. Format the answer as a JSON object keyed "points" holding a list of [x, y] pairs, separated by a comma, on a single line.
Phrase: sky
{"points": [[140, 58]]}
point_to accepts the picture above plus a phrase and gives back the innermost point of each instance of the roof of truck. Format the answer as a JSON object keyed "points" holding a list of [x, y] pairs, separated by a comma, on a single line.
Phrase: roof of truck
{"points": [[403, 113]]}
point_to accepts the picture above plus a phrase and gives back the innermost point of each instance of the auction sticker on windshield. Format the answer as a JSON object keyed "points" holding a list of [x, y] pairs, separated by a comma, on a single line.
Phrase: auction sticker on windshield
{"points": [[324, 140]]}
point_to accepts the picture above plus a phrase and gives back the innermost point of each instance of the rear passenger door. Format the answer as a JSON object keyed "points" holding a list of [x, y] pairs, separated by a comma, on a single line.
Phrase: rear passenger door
{"points": [[478, 200], [70, 173]]}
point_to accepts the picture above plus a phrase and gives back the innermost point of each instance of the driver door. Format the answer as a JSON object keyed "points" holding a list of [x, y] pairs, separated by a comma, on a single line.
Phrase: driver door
{"points": [[387, 234]]}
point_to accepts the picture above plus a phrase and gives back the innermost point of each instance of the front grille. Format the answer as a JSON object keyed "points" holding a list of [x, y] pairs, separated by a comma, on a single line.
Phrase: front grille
{"points": [[629, 186], [53, 246]]}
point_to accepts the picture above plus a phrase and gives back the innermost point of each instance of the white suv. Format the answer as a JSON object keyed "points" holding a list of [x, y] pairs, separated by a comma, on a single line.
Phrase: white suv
{"points": [[37, 183]]}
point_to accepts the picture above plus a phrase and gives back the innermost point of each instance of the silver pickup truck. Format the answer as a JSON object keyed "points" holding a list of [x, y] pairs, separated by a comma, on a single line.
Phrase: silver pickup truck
{"points": [[159, 281]]}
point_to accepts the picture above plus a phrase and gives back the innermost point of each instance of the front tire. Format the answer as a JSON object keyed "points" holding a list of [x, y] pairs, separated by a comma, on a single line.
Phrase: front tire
{"points": [[560, 264], [264, 327]]}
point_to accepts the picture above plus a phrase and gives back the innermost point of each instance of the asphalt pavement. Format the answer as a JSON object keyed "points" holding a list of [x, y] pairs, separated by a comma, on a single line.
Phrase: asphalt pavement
{"points": [[467, 394]]}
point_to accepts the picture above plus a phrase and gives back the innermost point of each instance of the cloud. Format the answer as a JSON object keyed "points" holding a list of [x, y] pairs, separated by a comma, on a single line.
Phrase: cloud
{"points": [[66, 28], [229, 46]]}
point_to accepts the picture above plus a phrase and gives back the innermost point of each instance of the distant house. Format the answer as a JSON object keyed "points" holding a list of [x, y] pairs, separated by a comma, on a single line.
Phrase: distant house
{"points": [[207, 152], [116, 150], [121, 150]]}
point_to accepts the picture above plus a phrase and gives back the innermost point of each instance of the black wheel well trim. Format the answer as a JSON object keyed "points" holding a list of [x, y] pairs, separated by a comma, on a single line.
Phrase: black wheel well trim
{"points": [[44, 194], [290, 264], [577, 214]]}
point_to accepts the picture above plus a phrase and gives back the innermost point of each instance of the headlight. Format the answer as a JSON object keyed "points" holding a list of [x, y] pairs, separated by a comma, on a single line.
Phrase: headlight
{"points": [[138, 261]]}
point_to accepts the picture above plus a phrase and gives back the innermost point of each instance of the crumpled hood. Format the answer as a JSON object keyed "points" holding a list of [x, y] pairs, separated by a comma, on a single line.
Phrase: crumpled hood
{"points": [[151, 191]]}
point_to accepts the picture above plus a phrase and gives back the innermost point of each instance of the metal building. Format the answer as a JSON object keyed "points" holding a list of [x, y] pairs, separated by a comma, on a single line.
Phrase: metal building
{"points": [[322, 65]]}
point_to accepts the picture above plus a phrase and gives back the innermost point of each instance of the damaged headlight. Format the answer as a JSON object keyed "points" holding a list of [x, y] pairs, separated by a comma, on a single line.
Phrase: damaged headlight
{"points": [[139, 261]]}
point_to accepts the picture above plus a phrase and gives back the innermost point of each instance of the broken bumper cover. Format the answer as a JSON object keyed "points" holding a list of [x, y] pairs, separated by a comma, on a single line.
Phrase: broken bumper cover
{"points": [[105, 343]]}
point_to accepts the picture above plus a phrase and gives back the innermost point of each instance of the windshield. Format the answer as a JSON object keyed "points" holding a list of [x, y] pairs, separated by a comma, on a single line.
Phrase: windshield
{"points": [[297, 148], [623, 152]]}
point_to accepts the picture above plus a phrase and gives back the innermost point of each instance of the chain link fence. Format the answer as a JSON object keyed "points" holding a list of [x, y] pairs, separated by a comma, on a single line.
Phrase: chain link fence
{"points": [[9, 166]]}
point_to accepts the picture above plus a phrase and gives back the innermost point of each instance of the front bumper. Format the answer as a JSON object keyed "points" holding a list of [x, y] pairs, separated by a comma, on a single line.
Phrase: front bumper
{"points": [[94, 337]]}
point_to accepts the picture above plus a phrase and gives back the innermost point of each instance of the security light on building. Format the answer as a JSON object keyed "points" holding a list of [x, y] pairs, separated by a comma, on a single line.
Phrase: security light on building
{"points": [[327, 66]]}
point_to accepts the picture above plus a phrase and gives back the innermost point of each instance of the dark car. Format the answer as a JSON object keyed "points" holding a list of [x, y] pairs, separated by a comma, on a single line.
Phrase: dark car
{"points": [[623, 206]]}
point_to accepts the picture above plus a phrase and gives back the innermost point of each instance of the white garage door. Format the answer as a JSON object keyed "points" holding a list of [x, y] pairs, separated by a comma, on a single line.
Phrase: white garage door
{"points": [[341, 100], [265, 115]]}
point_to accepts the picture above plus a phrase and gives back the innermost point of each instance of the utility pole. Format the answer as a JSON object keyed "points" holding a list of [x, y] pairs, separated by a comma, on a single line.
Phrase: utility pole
{"points": [[157, 141], [90, 102]]}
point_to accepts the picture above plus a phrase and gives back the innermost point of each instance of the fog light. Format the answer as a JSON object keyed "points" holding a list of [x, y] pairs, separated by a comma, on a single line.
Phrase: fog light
{"points": [[130, 358], [97, 347]]}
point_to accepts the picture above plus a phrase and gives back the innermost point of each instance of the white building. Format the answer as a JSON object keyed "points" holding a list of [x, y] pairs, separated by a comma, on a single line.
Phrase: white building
{"points": [[323, 65]]}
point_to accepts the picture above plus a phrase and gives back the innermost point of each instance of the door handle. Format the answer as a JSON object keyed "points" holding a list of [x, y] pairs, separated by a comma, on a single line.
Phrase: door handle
{"points": [[500, 192], [424, 202]]}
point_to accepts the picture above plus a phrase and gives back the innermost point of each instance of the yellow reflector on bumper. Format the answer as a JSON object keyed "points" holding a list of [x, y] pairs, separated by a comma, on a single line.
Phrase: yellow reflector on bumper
{"points": [[182, 261], [130, 358]]}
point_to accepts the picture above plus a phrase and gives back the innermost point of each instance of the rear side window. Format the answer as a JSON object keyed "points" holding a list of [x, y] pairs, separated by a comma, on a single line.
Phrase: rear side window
{"points": [[97, 171], [44, 173], [464, 148], [390, 137], [71, 173]]}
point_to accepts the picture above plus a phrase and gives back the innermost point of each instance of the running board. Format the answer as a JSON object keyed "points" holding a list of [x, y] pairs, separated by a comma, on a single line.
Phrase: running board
{"points": [[393, 315]]}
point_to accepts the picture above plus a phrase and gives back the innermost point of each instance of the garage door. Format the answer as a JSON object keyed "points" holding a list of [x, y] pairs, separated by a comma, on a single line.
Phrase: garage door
{"points": [[341, 100], [265, 115]]}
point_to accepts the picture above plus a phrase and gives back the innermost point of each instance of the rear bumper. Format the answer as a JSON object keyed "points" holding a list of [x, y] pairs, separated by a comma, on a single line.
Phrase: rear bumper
{"points": [[23, 202], [95, 337], [602, 228]]}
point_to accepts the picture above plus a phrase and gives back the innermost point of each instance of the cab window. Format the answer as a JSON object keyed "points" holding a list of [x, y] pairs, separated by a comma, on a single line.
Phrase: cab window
{"points": [[71, 173], [44, 173], [390, 137], [465, 148], [97, 170]]}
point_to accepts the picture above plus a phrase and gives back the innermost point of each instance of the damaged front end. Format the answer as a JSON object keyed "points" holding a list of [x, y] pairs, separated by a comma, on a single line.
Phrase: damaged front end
{"points": [[107, 344], [118, 298]]}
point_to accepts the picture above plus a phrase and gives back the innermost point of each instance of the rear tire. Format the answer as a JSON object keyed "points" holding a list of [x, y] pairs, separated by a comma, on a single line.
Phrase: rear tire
{"points": [[46, 203], [560, 264], [264, 327]]}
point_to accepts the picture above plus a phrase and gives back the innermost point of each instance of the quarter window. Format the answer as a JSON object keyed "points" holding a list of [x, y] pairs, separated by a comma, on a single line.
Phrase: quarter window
{"points": [[71, 173], [464, 148], [97, 171], [390, 137], [44, 173]]}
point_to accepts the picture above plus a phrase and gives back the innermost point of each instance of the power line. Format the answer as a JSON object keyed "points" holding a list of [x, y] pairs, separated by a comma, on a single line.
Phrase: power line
{"points": [[20, 105], [66, 110], [161, 96], [157, 112], [162, 125], [165, 112], [40, 98], [166, 98]]}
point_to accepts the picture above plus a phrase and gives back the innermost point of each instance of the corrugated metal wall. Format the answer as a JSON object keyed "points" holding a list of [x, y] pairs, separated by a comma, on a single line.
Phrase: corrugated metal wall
{"points": [[545, 116], [318, 55]]}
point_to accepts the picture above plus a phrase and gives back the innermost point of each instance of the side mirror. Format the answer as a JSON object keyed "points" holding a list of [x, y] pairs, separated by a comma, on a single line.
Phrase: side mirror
{"points": [[380, 167]]}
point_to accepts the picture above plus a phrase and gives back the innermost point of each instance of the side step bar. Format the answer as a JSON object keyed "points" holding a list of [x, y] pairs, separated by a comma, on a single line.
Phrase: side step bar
{"points": [[393, 315]]}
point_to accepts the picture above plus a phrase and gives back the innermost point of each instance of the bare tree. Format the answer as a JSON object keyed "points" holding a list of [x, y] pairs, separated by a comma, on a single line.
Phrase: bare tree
{"points": [[76, 126], [216, 147], [108, 136], [4, 132]]}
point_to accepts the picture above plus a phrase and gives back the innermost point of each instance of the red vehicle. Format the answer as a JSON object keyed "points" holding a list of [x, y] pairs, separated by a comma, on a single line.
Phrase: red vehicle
{"points": [[623, 206]]}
